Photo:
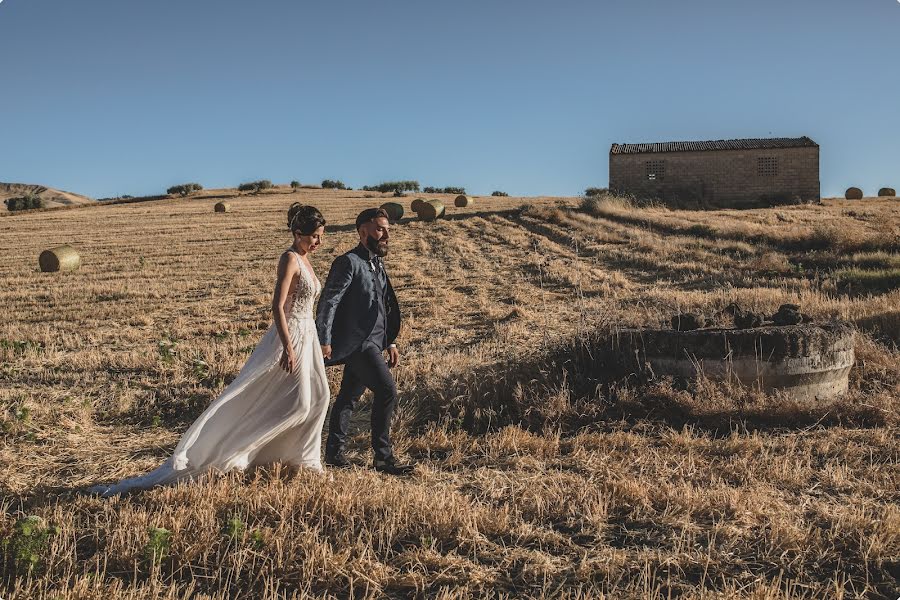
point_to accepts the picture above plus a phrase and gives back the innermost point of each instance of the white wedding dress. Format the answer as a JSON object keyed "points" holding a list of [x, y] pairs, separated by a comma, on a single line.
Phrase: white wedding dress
{"points": [[265, 415]]}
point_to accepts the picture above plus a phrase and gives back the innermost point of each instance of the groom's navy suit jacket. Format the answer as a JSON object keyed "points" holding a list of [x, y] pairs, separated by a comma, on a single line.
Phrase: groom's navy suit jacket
{"points": [[348, 306]]}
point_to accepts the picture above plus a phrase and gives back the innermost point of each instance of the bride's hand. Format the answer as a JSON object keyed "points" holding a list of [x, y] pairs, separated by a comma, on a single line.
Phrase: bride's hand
{"points": [[288, 362]]}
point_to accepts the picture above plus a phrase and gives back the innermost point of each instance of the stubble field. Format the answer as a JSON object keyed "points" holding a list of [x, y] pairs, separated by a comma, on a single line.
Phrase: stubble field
{"points": [[536, 477]]}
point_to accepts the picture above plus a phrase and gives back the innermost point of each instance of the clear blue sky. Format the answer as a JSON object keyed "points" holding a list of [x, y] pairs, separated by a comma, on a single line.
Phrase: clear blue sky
{"points": [[109, 97]]}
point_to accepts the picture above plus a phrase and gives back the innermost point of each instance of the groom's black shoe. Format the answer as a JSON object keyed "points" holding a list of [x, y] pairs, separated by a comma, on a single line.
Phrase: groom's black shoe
{"points": [[337, 460], [392, 467]]}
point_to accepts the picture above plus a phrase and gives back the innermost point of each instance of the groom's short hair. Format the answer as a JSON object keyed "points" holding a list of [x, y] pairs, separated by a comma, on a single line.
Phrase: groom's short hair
{"points": [[370, 214]]}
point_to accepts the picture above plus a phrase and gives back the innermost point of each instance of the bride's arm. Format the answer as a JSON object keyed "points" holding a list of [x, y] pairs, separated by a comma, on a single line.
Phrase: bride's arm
{"points": [[287, 268]]}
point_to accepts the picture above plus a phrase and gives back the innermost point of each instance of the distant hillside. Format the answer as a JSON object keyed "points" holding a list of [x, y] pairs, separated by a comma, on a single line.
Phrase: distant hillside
{"points": [[50, 196]]}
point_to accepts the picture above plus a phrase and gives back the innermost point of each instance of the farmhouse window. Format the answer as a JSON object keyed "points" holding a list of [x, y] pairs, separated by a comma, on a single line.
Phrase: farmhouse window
{"points": [[655, 170], [767, 166]]}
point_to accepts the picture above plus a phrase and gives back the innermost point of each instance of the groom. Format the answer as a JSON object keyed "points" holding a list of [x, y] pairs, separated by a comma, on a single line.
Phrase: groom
{"points": [[358, 318]]}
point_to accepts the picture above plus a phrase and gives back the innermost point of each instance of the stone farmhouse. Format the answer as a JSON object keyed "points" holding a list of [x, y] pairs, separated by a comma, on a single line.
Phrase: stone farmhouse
{"points": [[744, 173]]}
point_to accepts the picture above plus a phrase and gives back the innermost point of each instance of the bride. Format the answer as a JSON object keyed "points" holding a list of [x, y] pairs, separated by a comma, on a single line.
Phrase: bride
{"points": [[275, 408]]}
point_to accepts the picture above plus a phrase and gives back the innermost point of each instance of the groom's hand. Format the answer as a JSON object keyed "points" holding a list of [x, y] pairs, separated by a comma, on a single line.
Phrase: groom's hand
{"points": [[393, 357], [326, 352]]}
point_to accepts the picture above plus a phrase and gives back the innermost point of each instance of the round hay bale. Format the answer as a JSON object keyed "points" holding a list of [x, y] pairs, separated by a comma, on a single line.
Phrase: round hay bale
{"points": [[61, 258], [430, 210], [853, 193], [462, 201], [887, 193], [416, 204], [222, 207], [394, 211]]}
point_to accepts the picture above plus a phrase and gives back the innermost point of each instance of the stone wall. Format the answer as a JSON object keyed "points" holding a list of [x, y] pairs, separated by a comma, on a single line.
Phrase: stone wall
{"points": [[719, 178]]}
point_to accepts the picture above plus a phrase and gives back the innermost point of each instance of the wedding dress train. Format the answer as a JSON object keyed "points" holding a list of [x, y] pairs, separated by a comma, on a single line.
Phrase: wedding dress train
{"points": [[265, 415]]}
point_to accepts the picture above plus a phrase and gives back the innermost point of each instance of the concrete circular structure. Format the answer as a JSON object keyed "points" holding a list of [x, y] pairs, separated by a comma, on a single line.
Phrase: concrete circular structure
{"points": [[807, 362]]}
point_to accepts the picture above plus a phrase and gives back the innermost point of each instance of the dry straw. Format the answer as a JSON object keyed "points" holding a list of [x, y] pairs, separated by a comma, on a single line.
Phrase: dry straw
{"points": [[431, 210], [853, 193], [61, 258], [394, 211], [222, 207], [462, 201], [416, 204], [887, 192]]}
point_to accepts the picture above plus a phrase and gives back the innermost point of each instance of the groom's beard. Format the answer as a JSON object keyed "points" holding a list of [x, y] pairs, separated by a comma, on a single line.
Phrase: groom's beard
{"points": [[377, 247]]}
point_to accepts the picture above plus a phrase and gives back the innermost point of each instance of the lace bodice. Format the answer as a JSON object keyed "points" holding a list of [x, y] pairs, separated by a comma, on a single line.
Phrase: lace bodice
{"points": [[302, 299]]}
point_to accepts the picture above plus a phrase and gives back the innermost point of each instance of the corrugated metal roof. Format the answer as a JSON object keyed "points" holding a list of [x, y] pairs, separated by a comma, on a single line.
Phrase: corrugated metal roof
{"points": [[745, 144]]}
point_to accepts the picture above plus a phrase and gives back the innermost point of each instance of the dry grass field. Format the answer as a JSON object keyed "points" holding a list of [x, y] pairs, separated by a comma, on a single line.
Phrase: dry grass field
{"points": [[536, 477]]}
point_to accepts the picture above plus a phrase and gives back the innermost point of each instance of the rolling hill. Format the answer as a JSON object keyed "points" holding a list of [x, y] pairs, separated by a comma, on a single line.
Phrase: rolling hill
{"points": [[51, 197]]}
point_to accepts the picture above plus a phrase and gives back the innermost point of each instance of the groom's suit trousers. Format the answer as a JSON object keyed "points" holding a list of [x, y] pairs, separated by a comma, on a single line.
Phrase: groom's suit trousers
{"points": [[365, 368]]}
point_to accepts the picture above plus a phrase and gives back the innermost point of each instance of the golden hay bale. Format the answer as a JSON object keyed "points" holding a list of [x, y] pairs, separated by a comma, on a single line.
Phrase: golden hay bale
{"points": [[61, 258], [853, 193], [431, 210], [887, 193], [222, 207], [394, 211], [416, 204], [463, 201]]}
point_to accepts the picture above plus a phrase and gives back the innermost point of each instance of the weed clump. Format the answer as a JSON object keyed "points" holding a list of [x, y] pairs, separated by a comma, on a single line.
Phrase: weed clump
{"points": [[158, 545], [25, 548]]}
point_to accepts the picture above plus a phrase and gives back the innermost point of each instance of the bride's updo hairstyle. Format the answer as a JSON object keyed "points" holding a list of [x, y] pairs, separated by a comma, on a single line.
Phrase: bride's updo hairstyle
{"points": [[304, 219]]}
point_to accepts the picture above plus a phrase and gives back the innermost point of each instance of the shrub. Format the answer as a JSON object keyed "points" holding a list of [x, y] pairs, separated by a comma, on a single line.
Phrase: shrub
{"points": [[25, 202], [295, 185], [184, 189], [499, 193], [594, 191], [255, 186], [445, 190], [333, 184], [393, 186]]}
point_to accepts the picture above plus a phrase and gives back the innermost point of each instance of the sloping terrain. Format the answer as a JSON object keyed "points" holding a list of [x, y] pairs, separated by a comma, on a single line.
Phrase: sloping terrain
{"points": [[655, 491], [51, 197]]}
